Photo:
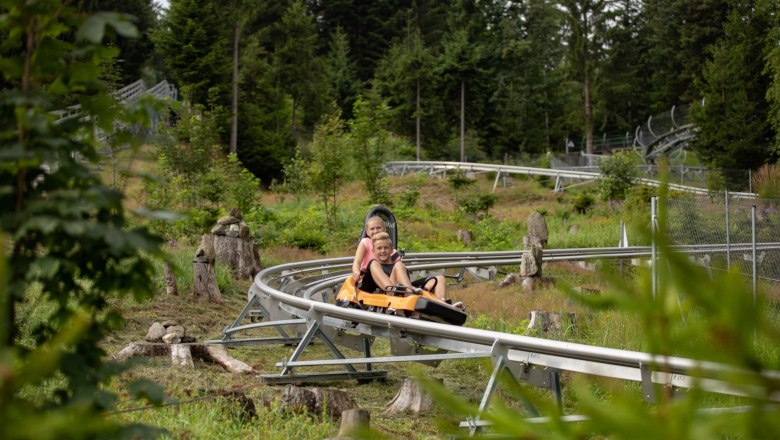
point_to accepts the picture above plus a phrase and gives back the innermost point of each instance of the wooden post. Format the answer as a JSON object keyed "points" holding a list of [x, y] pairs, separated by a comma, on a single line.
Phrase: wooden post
{"points": [[171, 288], [205, 283]]}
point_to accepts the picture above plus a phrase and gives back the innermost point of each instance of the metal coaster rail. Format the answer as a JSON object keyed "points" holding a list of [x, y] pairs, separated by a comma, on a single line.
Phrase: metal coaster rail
{"points": [[561, 176], [296, 297]]}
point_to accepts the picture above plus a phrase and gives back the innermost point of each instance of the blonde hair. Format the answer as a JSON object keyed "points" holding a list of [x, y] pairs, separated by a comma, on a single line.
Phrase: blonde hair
{"points": [[379, 236], [376, 218]]}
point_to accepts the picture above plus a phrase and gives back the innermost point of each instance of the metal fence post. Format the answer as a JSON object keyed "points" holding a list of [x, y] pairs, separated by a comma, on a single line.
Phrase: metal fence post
{"points": [[654, 269], [728, 241], [753, 238]]}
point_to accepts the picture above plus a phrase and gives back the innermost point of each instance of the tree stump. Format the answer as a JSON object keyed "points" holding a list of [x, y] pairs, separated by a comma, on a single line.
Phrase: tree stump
{"points": [[465, 236], [317, 400], [549, 322], [354, 421], [205, 283], [210, 353], [181, 356], [409, 398], [245, 406], [233, 247], [171, 287]]}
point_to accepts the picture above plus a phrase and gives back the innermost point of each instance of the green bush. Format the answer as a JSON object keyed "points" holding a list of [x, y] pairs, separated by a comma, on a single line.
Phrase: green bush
{"points": [[458, 180], [618, 172], [303, 236], [476, 203], [583, 202]]}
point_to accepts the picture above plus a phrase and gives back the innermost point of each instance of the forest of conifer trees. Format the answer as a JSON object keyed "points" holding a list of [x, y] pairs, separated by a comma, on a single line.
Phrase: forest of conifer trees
{"points": [[510, 78]]}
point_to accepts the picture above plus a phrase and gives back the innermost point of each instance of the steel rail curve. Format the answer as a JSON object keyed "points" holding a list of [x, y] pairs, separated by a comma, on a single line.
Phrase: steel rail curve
{"points": [[433, 167], [295, 297]]}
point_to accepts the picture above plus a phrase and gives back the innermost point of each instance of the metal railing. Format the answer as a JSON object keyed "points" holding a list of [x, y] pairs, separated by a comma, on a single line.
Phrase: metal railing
{"points": [[296, 297], [562, 176]]}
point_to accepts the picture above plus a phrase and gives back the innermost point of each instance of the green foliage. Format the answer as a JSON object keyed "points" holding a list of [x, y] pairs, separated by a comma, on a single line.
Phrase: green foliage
{"points": [[195, 179], [691, 315], [327, 171], [459, 180], [296, 175], [618, 172], [242, 186], [219, 418], [766, 182], [734, 131], [369, 140], [477, 203], [583, 202], [716, 181], [407, 199], [195, 44], [68, 234]]}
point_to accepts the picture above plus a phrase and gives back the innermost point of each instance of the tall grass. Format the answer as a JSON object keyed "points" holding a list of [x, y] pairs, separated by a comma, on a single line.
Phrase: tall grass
{"points": [[222, 419]]}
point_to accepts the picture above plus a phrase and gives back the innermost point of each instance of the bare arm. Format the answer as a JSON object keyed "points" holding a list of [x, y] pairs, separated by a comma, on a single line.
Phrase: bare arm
{"points": [[359, 254]]}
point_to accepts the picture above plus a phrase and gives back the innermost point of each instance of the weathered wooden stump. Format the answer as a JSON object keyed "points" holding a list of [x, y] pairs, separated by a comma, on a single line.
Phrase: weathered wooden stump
{"points": [[244, 405], [550, 322], [465, 236], [317, 400], [171, 287], [354, 421], [182, 354], [233, 248], [409, 398], [218, 354], [205, 282]]}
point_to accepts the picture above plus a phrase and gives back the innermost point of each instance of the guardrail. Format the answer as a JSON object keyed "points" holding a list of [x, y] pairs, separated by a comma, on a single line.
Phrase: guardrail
{"points": [[560, 175], [296, 297], [126, 95]]}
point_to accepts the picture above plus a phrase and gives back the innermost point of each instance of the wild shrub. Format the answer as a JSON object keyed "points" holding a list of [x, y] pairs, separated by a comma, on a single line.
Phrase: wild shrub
{"points": [[65, 233], [618, 172], [458, 180], [583, 202], [476, 203], [766, 181]]}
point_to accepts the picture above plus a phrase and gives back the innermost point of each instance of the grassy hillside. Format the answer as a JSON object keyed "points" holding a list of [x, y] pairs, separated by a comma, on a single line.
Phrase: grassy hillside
{"points": [[430, 211], [429, 224]]}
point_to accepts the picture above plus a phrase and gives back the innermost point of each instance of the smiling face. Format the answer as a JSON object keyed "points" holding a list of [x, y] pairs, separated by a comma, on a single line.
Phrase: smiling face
{"points": [[383, 250], [374, 225]]}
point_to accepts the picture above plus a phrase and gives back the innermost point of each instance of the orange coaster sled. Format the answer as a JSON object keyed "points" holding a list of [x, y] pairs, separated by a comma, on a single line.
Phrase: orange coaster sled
{"points": [[400, 301]]}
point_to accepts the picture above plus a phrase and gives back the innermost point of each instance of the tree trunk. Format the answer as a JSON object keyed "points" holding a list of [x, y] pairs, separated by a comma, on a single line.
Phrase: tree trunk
{"points": [[409, 398], [241, 256], [205, 278], [141, 350], [293, 129], [210, 353], [205, 285], [463, 121], [315, 400], [588, 111], [171, 287], [417, 113], [234, 103], [218, 354]]}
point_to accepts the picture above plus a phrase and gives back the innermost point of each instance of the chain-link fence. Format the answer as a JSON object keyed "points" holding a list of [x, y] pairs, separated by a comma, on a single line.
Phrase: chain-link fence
{"points": [[727, 232]]}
